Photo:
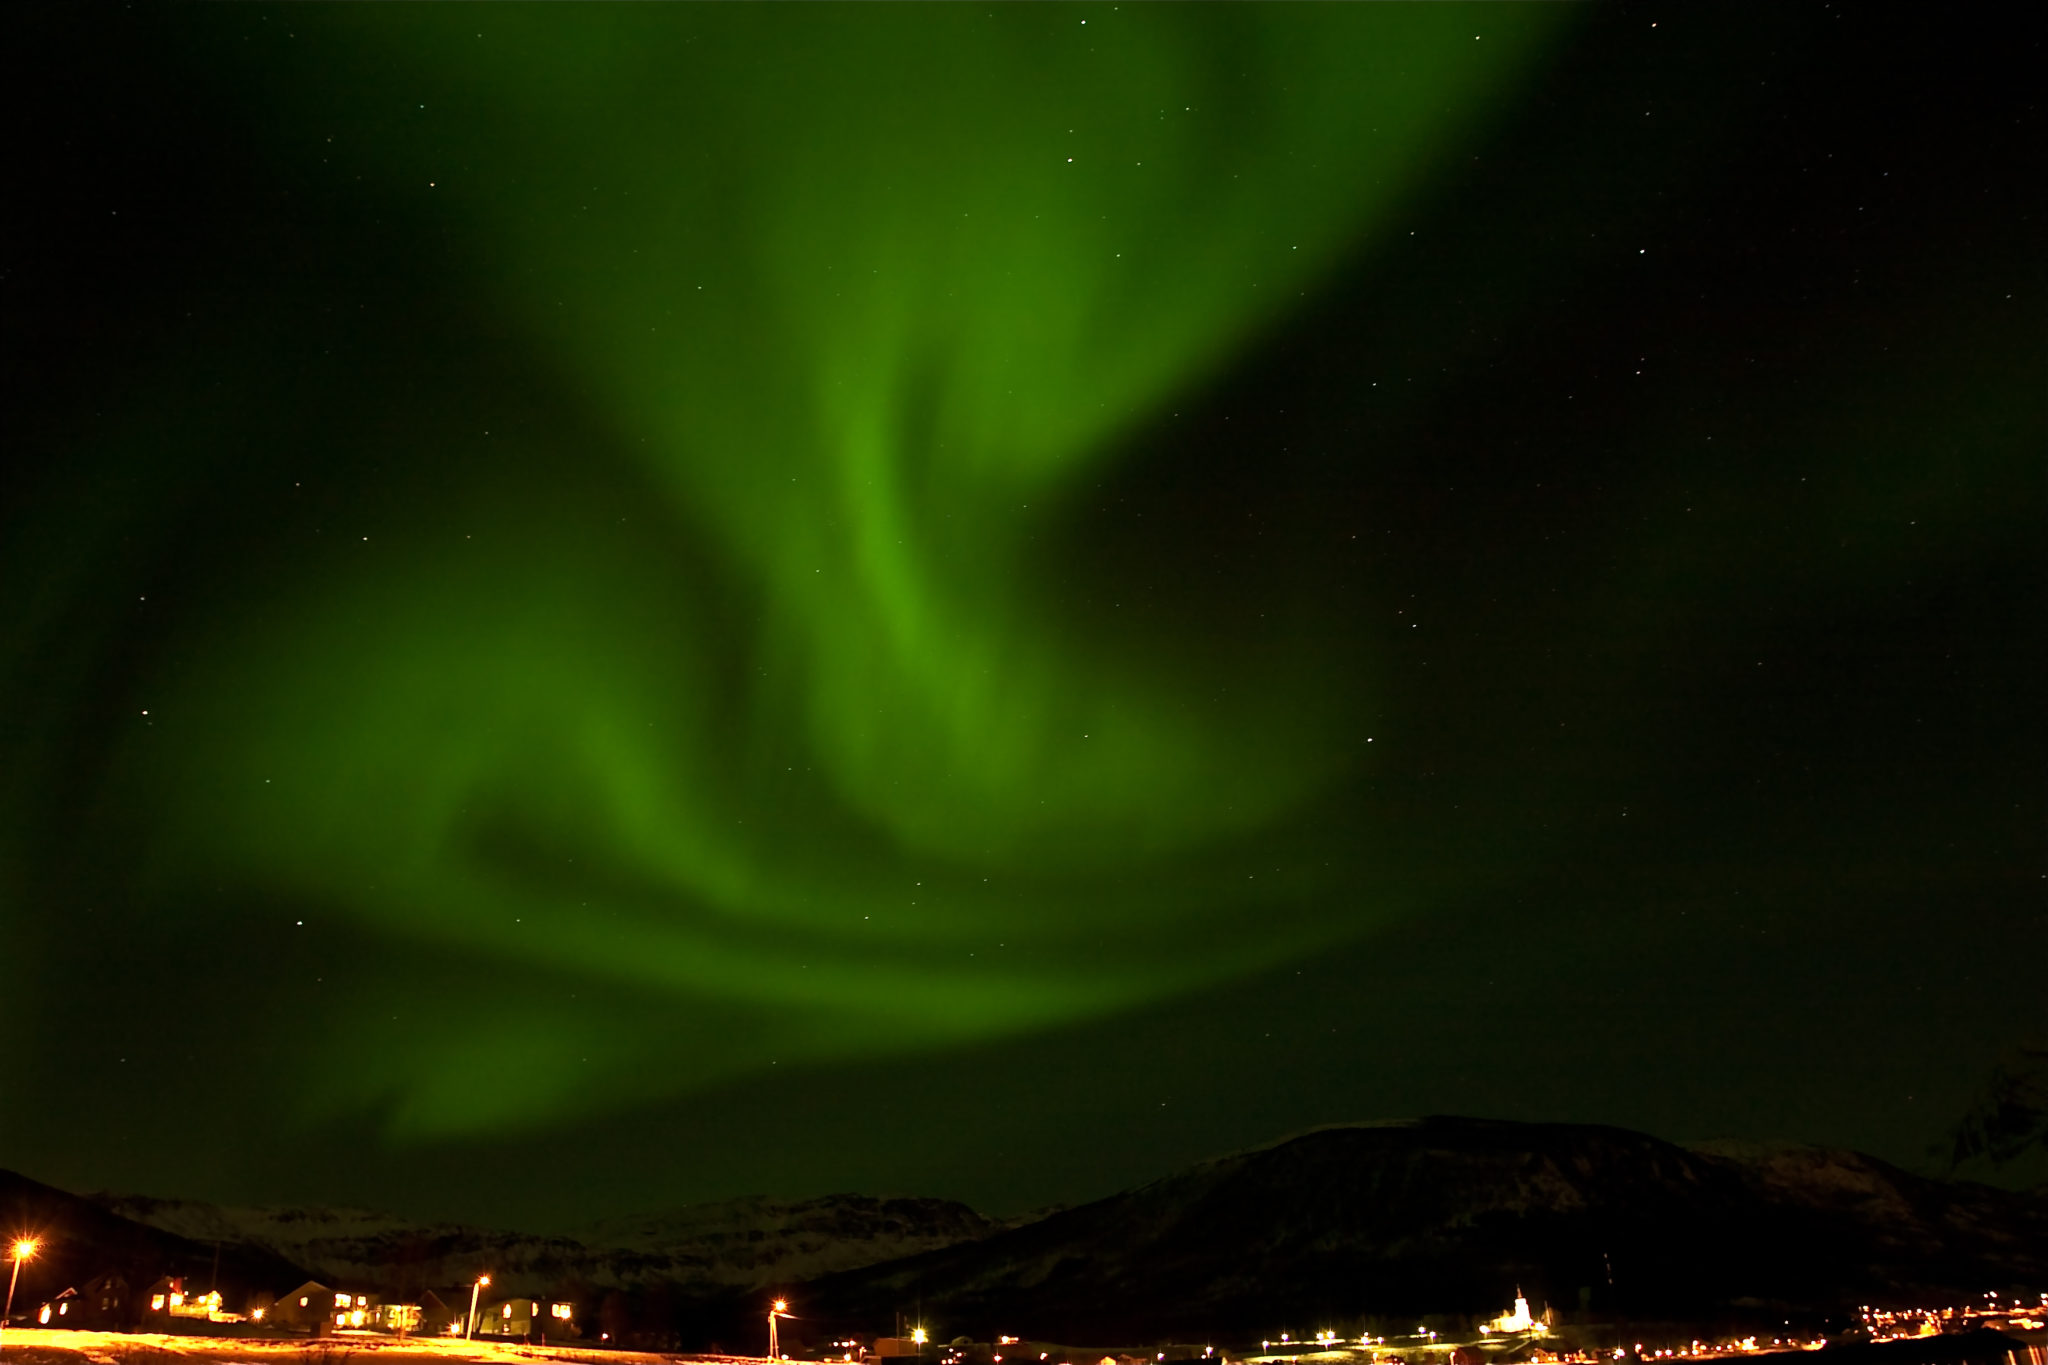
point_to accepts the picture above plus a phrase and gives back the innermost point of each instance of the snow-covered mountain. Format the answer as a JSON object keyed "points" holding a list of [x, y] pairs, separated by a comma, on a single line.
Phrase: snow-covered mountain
{"points": [[734, 1245], [747, 1243], [1335, 1227], [1450, 1216], [2003, 1138]]}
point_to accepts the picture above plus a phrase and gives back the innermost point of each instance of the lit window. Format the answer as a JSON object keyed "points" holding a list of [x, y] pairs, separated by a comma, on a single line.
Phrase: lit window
{"points": [[302, 1302], [156, 1303], [560, 1310], [62, 1309], [341, 1300], [44, 1316], [177, 1300], [508, 1310]]}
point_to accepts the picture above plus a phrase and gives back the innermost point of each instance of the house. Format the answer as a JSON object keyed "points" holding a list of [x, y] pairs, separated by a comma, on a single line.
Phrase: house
{"points": [[414, 1315], [398, 1316], [169, 1305], [160, 1299], [436, 1317], [353, 1311], [309, 1308], [528, 1319], [103, 1301], [56, 1312]]}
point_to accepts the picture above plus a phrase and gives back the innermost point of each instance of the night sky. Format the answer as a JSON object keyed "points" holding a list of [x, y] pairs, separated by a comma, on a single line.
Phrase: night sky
{"points": [[619, 606]]}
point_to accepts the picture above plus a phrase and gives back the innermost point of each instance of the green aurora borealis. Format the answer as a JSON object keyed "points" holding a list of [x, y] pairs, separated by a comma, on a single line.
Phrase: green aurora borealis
{"points": [[674, 542]]}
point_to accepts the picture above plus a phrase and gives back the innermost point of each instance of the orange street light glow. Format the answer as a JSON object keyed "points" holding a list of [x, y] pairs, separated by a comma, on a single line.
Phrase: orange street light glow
{"points": [[24, 1247]]}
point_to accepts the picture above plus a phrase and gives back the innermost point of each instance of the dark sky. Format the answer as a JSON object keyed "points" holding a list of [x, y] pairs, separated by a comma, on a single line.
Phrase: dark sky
{"points": [[612, 607]]}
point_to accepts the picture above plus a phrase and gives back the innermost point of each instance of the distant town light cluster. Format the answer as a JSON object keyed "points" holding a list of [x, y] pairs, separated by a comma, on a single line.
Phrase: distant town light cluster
{"points": [[1995, 1313], [1531, 1339]]}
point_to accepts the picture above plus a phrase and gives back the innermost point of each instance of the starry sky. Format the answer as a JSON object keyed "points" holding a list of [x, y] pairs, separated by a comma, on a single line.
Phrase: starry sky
{"points": [[618, 607]]}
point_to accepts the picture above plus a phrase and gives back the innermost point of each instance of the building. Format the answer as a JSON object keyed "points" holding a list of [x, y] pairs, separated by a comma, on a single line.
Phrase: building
{"points": [[353, 1312], [528, 1319], [103, 1301], [56, 1312], [414, 1315], [170, 1305], [1518, 1319], [305, 1309], [164, 1300]]}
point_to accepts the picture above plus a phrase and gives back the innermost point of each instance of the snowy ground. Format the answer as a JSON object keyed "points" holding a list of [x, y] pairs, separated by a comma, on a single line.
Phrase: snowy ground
{"points": [[46, 1346]]}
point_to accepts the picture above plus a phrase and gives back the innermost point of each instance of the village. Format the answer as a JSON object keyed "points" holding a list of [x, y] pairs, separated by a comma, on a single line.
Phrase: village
{"points": [[171, 1305], [106, 1319]]}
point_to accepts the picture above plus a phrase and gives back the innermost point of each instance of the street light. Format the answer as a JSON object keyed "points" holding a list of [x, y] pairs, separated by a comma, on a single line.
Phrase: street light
{"points": [[474, 1290], [23, 1249], [778, 1309]]}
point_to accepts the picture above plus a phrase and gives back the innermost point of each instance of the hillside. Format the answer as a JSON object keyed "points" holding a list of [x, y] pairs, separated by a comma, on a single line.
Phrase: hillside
{"points": [[1333, 1228], [2003, 1138], [1450, 1216], [737, 1244], [81, 1239]]}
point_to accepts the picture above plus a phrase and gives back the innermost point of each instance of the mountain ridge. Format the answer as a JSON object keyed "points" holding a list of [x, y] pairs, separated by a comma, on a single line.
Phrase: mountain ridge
{"points": [[1450, 1215], [726, 1245], [1336, 1224]]}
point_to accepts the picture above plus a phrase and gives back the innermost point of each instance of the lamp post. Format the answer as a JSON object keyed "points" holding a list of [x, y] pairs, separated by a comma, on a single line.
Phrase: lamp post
{"points": [[778, 1309], [22, 1250], [474, 1290]]}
